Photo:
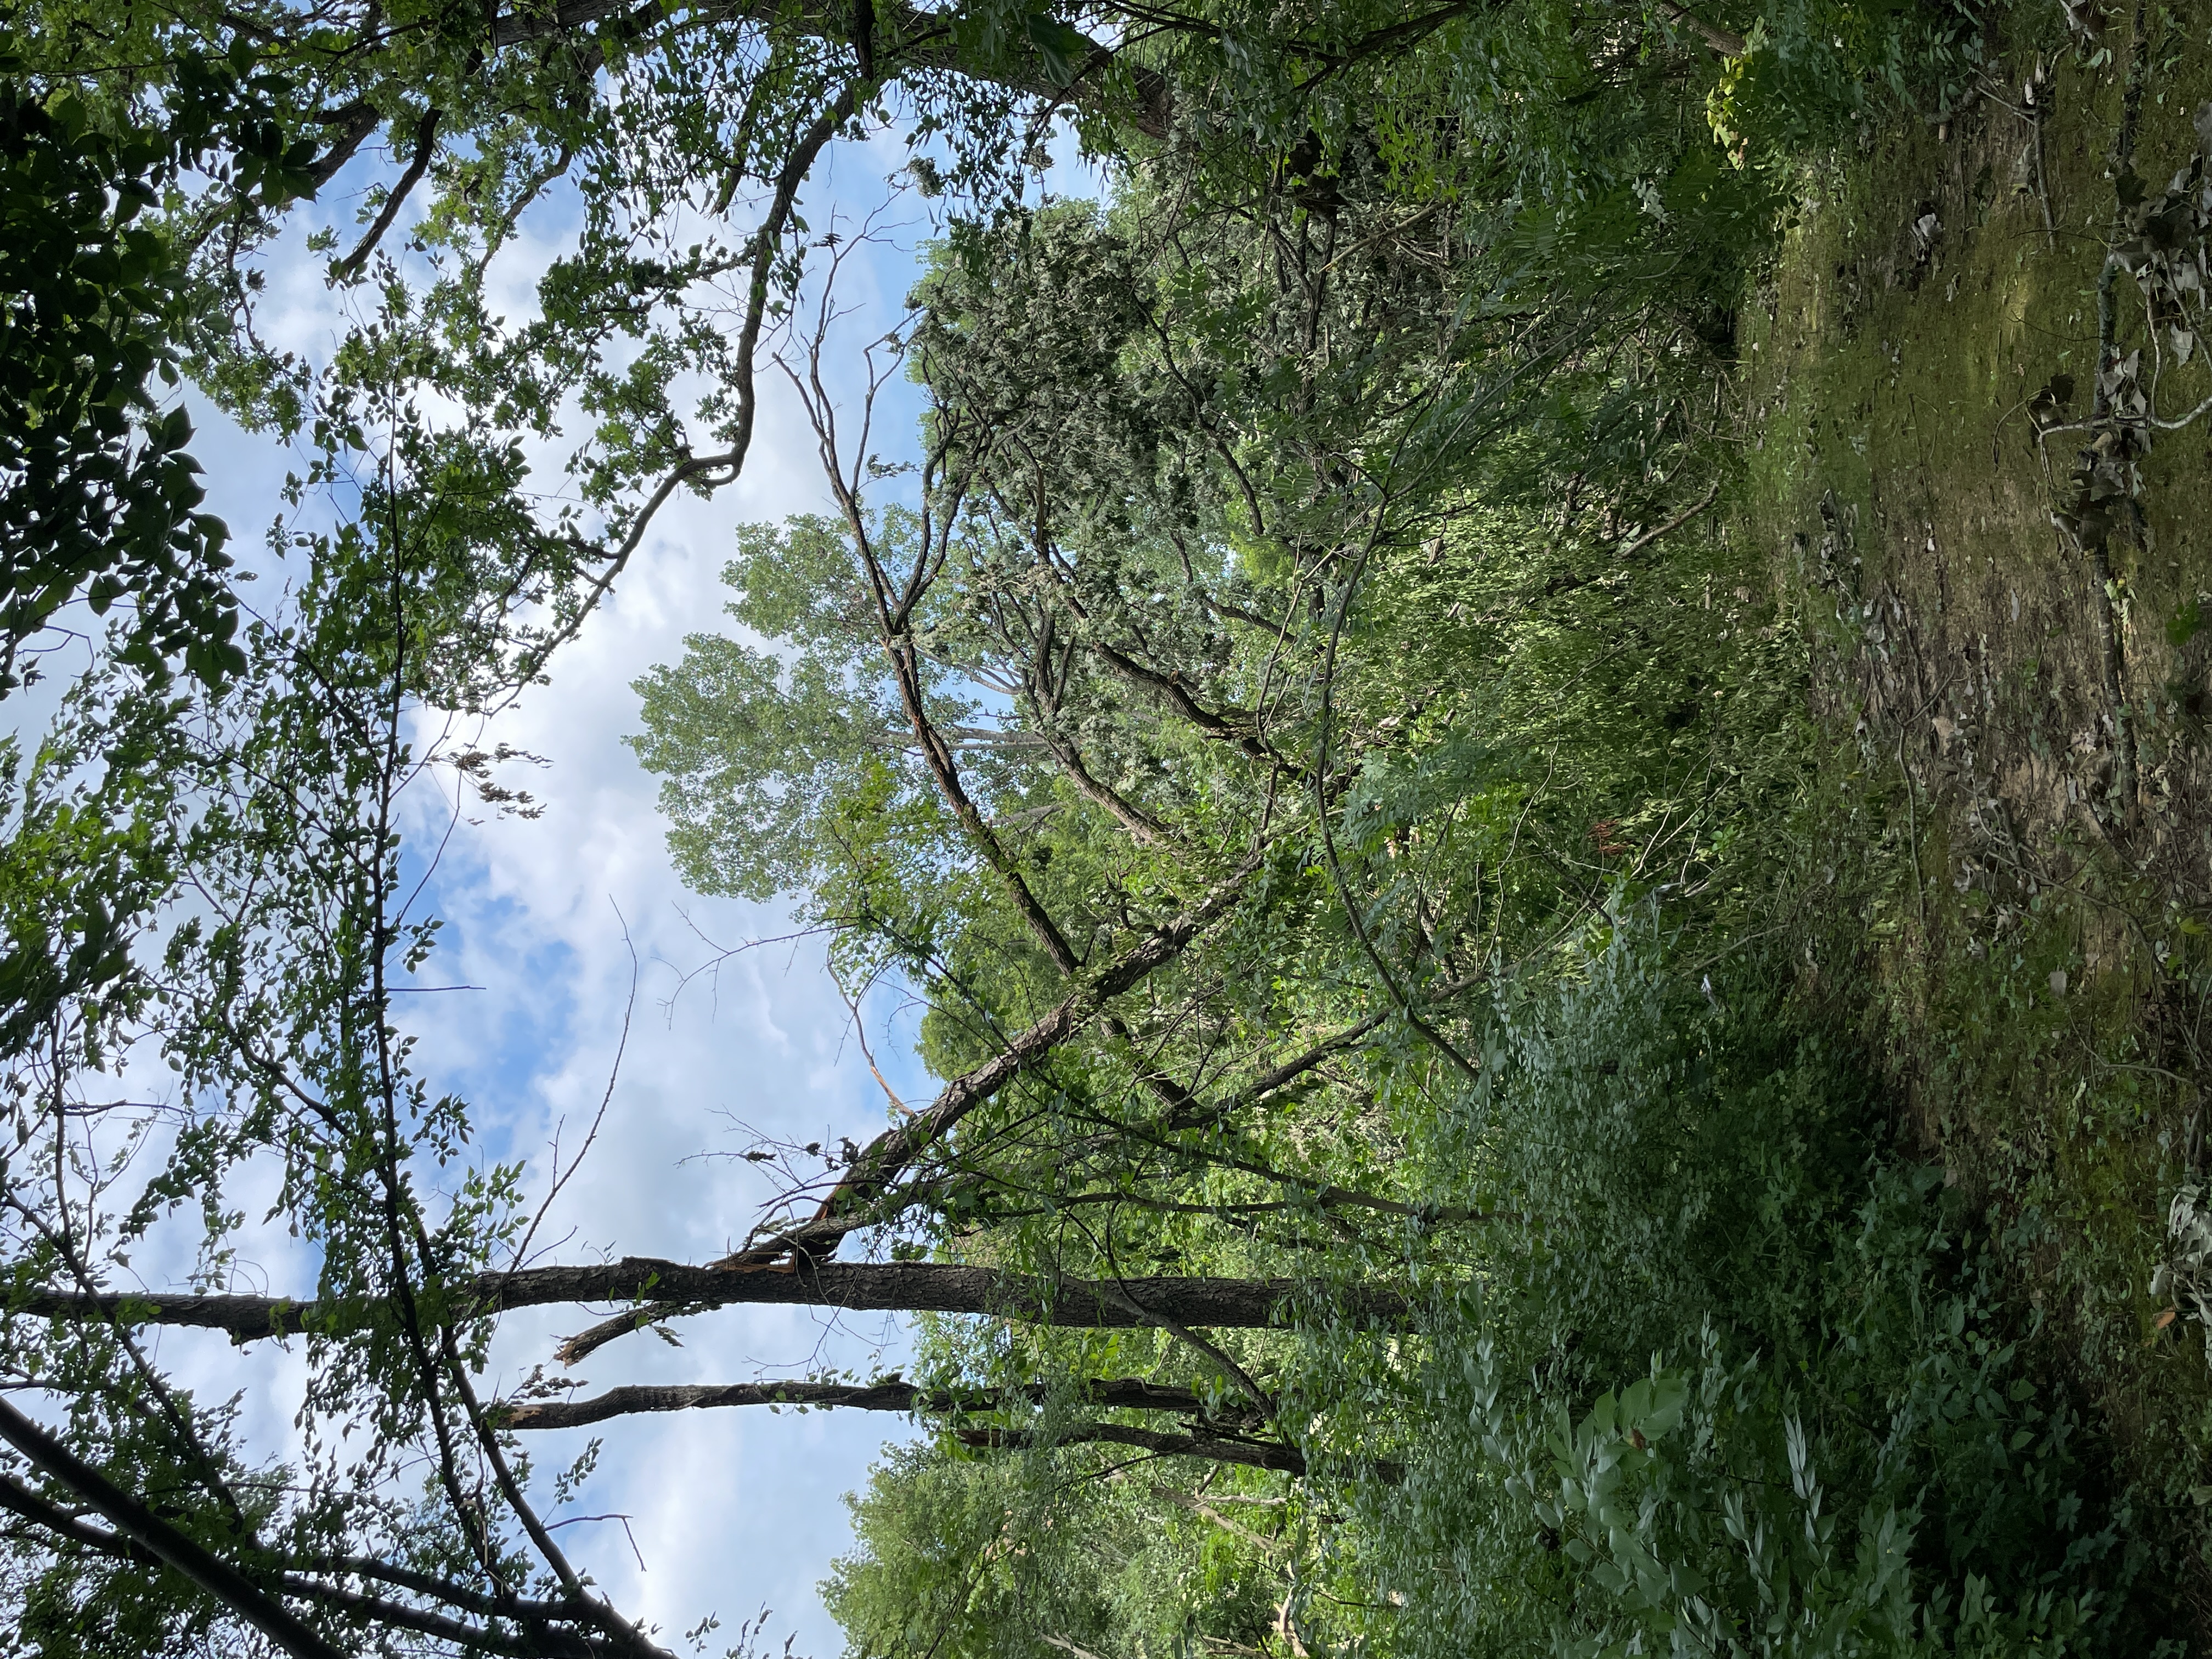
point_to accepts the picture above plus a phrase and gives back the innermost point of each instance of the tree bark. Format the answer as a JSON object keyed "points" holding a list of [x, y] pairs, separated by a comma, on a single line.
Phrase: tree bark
{"points": [[675, 1286], [891, 1394], [1286, 1460]]}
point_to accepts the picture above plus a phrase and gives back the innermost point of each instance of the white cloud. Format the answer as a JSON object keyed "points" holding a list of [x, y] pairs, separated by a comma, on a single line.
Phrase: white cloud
{"points": [[730, 1511]]}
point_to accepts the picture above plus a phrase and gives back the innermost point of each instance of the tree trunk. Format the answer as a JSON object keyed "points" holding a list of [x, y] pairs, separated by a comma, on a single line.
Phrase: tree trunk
{"points": [[670, 1287]]}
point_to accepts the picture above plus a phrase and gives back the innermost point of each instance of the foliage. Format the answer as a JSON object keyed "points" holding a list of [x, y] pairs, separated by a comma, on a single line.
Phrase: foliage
{"points": [[96, 491], [1294, 714], [1013, 1556], [1815, 1425], [1740, 1381]]}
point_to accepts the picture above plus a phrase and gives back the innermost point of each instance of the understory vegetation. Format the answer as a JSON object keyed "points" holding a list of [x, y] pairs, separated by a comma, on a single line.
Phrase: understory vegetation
{"points": [[1529, 715]]}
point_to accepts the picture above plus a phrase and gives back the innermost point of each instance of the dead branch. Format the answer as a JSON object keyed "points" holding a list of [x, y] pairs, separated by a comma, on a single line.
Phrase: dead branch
{"points": [[888, 1394]]}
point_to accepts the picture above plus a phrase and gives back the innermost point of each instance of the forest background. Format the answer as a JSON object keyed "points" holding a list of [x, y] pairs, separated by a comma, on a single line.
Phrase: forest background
{"points": [[1527, 720]]}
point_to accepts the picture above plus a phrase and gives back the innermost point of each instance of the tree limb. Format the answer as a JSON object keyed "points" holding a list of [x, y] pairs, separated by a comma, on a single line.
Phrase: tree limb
{"points": [[890, 1153], [1199, 1117], [133, 1520], [729, 462], [1252, 1455], [426, 146], [891, 1394], [902, 39], [353, 125], [651, 1283], [1722, 42]]}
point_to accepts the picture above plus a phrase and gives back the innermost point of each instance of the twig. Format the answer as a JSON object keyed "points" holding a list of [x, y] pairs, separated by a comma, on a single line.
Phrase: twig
{"points": [[1675, 523], [561, 1178]]}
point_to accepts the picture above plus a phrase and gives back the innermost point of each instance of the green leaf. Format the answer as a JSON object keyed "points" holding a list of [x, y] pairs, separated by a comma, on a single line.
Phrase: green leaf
{"points": [[1064, 50]]}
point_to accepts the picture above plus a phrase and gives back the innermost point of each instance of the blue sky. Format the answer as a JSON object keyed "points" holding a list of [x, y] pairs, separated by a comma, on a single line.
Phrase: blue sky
{"points": [[730, 1511], [550, 922]]}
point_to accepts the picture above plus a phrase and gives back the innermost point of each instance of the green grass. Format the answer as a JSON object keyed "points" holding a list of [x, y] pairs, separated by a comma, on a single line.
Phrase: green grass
{"points": [[1973, 817]]}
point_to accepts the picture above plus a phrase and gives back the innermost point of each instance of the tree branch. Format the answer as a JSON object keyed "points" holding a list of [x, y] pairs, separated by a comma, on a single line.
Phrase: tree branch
{"points": [[902, 39], [1722, 41], [650, 1283], [890, 1153], [354, 124], [133, 1520], [426, 146], [731, 461], [1200, 1117], [1286, 1460], [891, 1394]]}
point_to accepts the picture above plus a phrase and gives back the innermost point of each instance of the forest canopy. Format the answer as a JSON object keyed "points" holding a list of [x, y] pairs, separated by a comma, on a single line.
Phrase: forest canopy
{"points": [[1288, 672]]}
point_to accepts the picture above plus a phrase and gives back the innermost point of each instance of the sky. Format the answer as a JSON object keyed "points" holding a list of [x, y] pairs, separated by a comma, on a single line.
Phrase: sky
{"points": [[571, 927]]}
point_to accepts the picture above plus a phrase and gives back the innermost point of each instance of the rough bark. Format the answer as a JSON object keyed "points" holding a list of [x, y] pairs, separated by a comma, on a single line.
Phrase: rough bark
{"points": [[872, 1287]]}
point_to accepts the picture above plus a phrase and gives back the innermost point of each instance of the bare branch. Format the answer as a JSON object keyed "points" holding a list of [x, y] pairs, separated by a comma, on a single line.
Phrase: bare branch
{"points": [[890, 1395], [887, 1156]]}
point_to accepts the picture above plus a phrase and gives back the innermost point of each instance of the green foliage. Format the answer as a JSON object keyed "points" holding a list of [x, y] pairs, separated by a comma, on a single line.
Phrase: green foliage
{"points": [[1728, 1376], [81, 867], [1297, 695], [1024, 1557], [1814, 1429], [96, 493], [771, 765]]}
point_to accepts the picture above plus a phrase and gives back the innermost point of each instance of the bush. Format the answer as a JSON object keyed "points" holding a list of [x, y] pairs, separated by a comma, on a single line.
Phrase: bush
{"points": [[1741, 1382]]}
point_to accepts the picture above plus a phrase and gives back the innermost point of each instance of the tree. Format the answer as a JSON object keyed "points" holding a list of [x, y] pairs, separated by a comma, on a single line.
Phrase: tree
{"points": [[1211, 913], [1006, 1557], [96, 491]]}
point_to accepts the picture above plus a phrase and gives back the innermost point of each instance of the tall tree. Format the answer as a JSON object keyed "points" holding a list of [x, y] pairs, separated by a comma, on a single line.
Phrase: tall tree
{"points": [[1190, 905]]}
